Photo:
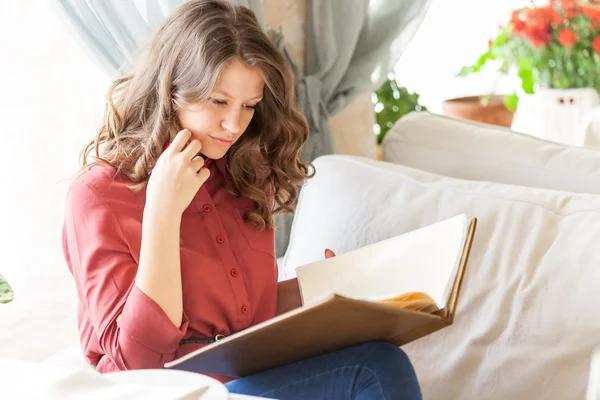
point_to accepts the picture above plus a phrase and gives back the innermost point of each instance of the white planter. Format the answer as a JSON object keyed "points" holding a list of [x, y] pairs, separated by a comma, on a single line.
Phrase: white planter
{"points": [[562, 116]]}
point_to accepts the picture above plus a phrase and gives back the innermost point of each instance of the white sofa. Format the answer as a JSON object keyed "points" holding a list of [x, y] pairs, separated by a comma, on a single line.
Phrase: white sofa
{"points": [[475, 151], [526, 324], [528, 318]]}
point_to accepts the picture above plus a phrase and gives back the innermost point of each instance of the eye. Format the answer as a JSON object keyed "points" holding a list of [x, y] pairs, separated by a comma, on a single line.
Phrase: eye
{"points": [[250, 107], [219, 102]]}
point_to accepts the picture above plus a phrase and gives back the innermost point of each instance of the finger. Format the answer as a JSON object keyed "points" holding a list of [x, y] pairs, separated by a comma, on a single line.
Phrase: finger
{"points": [[180, 140], [192, 149], [204, 174], [329, 253], [197, 163]]}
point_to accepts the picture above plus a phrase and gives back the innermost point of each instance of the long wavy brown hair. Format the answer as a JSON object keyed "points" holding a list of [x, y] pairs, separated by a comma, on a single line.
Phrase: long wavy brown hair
{"points": [[181, 66]]}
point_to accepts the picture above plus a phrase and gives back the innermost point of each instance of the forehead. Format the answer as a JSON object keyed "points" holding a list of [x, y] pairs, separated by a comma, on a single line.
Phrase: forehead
{"points": [[240, 81]]}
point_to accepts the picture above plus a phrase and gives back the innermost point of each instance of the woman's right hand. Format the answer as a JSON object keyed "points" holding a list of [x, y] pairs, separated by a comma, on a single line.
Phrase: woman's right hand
{"points": [[177, 175]]}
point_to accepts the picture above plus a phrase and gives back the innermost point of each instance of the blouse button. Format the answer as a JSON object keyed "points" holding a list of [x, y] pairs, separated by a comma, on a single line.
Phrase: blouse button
{"points": [[244, 309], [234, 273], [220, 239], [206, 208]]}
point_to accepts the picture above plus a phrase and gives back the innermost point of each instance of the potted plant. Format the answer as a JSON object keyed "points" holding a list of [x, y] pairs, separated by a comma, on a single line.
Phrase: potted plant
{"points": [[555, 51], [492, 109], [391, 102], [6, 293]]}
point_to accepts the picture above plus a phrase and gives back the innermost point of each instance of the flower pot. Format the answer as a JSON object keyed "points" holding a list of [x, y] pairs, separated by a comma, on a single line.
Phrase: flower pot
{"points": [[561, 115], [472, 108]]}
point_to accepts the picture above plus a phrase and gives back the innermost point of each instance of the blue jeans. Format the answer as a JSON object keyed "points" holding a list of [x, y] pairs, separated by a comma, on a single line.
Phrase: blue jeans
{"points": [[374, 370]]}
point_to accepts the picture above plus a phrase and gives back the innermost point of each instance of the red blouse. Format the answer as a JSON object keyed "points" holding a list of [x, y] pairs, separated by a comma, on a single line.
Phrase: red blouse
{"points": [[228, 268]]}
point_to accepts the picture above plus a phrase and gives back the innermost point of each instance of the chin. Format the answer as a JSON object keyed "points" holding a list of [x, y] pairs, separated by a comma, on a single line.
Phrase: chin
{"points": [[215, 154]]}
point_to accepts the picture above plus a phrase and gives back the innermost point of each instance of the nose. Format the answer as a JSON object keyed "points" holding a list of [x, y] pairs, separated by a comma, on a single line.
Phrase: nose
{"points": [[232, 122]]}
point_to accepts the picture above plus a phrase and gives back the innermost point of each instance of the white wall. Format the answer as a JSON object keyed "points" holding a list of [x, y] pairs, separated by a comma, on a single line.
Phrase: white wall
{"points": [[51, 98]]}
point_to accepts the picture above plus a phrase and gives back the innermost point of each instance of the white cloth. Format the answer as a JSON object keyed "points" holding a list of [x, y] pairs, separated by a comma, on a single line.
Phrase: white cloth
{"points": [[29, 380]]}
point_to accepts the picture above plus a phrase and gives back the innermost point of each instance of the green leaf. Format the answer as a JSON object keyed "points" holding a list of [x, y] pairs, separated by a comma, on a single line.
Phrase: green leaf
{"points": [[502, 37], [527, 79], [464, 71], [505, 67], [394, 108], [6, 293], [475, 68], [525, 64], [511, 101], [528, 84]]}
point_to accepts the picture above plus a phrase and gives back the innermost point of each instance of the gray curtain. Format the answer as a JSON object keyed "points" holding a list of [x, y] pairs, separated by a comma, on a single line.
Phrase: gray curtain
{"points": [[349, 52], [351, 47]]}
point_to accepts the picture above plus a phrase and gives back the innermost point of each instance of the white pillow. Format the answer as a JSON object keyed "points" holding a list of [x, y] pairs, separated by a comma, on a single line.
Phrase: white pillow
{"points": [[527, 319], [471, 150]]}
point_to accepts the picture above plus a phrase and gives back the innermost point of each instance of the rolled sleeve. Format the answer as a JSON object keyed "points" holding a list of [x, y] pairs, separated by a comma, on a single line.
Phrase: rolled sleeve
{"points": [[147, 323], [120, 327]]}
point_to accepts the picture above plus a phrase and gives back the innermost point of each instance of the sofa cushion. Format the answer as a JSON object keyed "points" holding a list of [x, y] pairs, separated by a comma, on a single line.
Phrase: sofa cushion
{"points": [[472, 150], [527, 319]]}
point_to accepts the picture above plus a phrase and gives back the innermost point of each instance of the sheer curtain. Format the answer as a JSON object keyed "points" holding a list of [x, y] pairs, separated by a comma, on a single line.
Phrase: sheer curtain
{"points": [[112, 31]]}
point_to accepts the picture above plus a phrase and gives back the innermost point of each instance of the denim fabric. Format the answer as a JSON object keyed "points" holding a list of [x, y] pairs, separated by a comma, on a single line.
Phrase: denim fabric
{"points": [[374, 370]]}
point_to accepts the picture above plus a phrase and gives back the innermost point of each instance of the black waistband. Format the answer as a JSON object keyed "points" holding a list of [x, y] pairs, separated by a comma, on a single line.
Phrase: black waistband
{"points": [[202, 340], [198, 341]]}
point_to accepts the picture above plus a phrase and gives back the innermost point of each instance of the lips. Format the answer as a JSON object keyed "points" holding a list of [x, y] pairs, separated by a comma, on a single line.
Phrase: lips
{"points": [[222, 140]]}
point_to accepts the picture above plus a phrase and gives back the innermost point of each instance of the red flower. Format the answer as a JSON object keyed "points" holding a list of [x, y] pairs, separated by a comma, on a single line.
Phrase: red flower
{"points": [[548, 14], [592, 12], [537, 29], [537, 34], [570, 7], [518, 24], [567, 4], [554, 16], [567, 37], [596, 44]]}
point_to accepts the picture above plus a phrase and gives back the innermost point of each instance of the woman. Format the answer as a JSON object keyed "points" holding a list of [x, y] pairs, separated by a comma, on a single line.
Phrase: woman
{"points": [[169, 228]]}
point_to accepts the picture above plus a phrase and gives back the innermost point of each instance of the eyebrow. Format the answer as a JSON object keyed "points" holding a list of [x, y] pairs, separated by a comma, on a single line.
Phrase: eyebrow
{"points": [[224, 93]]}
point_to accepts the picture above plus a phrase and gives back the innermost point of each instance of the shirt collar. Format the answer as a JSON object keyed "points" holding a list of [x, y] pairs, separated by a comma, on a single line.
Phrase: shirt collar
{"points": [[221, 165]]}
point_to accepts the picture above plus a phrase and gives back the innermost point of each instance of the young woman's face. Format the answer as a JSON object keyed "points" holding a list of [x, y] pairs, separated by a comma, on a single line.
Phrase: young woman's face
{"points": [[219, 121]]}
